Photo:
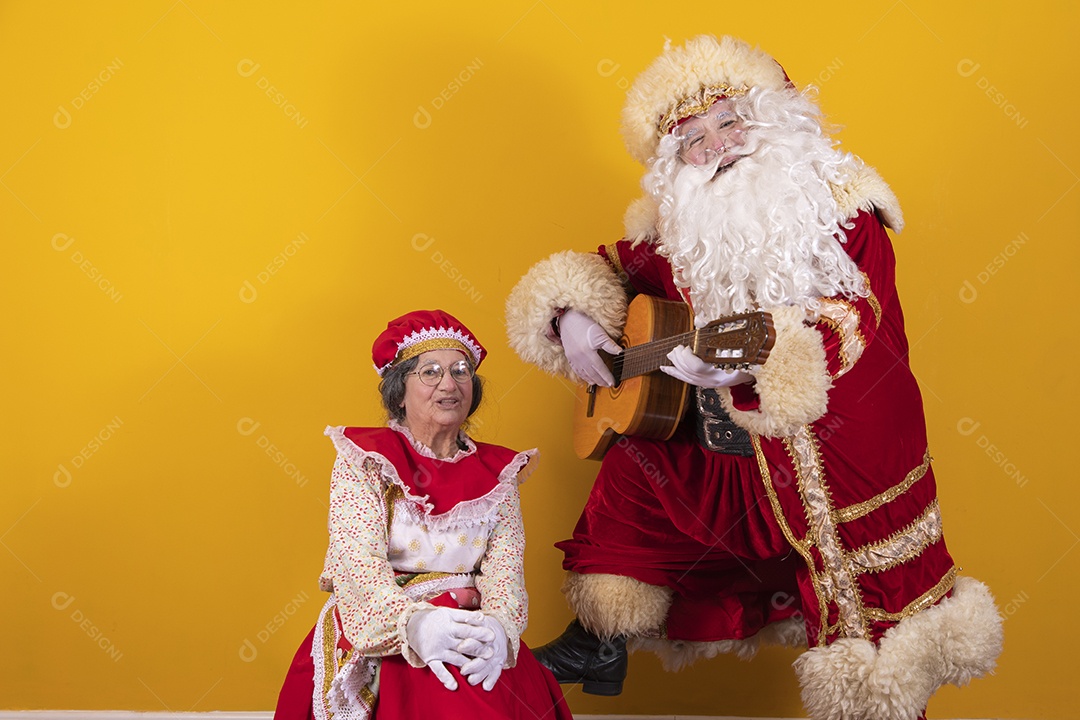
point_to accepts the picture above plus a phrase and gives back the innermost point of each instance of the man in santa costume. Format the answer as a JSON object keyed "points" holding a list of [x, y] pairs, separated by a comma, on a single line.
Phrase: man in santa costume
{"points": [[796, 503]]}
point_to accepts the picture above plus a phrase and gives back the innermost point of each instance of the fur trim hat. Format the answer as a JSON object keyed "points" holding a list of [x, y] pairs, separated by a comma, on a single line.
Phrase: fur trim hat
{"points": [[685, 81], [420, 331]]}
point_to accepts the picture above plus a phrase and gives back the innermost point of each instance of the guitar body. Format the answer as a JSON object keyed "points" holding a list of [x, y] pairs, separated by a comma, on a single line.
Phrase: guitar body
{"points": [[648, 405]]}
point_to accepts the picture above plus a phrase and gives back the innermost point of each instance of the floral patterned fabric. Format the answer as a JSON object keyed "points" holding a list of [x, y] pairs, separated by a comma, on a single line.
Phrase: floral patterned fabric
{"points": [[381, 527]]}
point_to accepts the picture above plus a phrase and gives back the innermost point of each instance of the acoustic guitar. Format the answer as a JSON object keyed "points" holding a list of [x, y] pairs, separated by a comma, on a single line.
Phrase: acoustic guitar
{"points": [[644, 401]]}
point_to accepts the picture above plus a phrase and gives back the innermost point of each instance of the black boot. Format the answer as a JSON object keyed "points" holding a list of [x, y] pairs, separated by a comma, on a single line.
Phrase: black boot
{"points": [[578, 656]]}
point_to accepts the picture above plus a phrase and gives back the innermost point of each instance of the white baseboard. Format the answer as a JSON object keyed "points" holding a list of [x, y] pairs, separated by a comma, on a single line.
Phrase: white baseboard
{"points": [[267, 715]]}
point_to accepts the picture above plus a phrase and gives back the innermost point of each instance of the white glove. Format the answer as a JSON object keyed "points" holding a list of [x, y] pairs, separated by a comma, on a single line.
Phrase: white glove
{"points": [[689, 368], [487, 666], [436, 635], [581, 338]]}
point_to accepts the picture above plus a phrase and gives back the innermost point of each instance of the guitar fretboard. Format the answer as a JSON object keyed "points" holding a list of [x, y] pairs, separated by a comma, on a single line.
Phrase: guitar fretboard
{"points": [[647, 357]]}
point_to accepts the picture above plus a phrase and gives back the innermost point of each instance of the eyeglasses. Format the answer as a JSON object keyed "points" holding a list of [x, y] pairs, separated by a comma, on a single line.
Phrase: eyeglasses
{"points": [[432, 373], [706, 137]]}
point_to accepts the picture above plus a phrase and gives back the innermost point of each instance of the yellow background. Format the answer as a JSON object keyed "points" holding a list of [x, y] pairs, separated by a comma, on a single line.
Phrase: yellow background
{"points": [[211, 209]]}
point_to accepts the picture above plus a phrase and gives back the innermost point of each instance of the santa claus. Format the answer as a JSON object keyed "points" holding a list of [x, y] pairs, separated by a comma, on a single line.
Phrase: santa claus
{"points": [[813, 519]]}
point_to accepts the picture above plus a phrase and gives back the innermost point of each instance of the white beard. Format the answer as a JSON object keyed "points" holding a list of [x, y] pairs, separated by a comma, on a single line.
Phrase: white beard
{"points": [[764, 233]]}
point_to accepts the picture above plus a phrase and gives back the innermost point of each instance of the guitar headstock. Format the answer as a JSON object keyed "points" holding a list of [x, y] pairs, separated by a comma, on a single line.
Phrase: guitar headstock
{"points": [[737, 341]]}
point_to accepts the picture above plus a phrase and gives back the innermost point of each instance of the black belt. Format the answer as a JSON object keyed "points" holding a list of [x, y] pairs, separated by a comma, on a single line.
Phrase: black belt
{"points": [[715, 429]]}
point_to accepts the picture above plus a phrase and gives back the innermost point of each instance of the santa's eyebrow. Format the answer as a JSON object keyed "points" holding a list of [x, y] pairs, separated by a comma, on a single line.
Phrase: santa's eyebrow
{"points": [[685, 132]]}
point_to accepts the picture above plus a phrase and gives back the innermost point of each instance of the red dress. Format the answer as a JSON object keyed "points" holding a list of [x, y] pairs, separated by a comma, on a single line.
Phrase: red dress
{"points": [[408, 530]]}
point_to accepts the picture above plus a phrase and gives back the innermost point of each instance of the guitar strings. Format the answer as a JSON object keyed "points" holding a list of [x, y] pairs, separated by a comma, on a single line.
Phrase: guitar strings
{"points": [[636, 360], [646, 357]]}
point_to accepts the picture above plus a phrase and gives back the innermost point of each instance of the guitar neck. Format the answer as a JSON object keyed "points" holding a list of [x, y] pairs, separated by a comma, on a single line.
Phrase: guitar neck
{"points": [[647, 357]]}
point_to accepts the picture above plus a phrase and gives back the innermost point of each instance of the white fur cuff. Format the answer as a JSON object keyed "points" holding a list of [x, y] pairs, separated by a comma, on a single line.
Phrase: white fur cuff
{"points": [[793, 384], [958, 639], [610, 605], [582, 281]]}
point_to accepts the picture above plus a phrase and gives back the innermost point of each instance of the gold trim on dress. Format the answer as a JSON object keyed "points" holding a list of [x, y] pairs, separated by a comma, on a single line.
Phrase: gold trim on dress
{"points": [[858, 510], [901, 546], [367, 696], [425, 577], [329, 652], [847, 319], [872, 300], [840, 583], [390, 496], [774, 501], [801, 546], [928, 598], [840, 352]]}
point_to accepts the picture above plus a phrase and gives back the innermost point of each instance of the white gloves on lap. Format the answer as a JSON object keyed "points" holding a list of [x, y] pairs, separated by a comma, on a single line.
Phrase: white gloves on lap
{"points": [[487, 665], [689, 368], [581, 337], [437, 636]]}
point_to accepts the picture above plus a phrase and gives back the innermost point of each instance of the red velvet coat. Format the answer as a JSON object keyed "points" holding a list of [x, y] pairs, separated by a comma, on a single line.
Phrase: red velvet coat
{"points": [[837, 519]]}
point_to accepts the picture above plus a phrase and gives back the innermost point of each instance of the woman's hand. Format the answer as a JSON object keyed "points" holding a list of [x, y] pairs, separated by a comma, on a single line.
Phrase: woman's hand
{"points": [[438, 634], [488, 664]]}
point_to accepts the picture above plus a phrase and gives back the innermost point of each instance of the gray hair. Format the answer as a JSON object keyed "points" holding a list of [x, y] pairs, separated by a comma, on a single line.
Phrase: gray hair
{"points": [[392, 389]]}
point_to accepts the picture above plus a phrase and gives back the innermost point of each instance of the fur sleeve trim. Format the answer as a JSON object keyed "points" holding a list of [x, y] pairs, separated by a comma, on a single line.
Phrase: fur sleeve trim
{"points": [[863, 189], [792, 385], [566, 280], [640, 220], [953, 642]]}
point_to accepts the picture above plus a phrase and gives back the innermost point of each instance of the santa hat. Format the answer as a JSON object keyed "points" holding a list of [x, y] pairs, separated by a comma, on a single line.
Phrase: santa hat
{"points": [[686, 81], [420, 331]]}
